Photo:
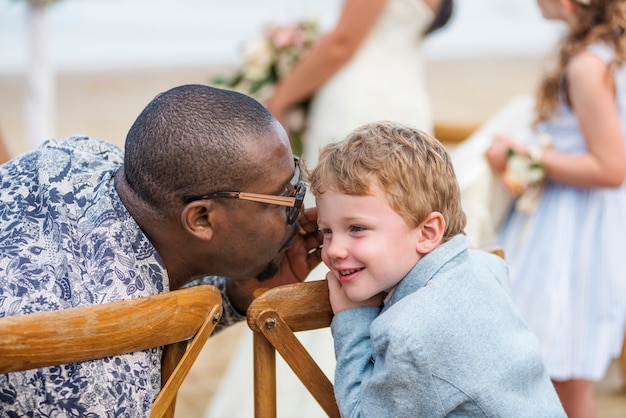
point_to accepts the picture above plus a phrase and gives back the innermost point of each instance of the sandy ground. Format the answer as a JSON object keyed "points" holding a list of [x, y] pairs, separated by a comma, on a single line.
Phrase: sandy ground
{"points": [[104, 105]]}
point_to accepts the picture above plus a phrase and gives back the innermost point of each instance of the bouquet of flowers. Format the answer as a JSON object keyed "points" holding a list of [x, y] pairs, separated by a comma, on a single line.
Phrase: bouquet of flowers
{"points": [[522, 172], [524, 175], [269, 57]]}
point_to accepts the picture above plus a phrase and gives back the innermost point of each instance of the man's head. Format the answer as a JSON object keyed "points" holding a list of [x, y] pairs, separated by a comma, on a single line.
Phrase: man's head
{"points": [[187, 146], [193, 139], [412, 168]]}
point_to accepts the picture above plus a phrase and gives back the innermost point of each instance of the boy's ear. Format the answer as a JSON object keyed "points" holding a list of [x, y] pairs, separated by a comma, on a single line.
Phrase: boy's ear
{"points": [[198, 218], [431, 232]]}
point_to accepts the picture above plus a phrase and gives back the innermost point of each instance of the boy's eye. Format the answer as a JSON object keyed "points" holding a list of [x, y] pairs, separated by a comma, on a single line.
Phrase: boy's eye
{"points": [[326, 231], [357, 228]]}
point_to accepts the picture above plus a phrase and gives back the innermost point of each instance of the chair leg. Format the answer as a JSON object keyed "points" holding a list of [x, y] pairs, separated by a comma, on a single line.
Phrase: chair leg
{"points": [[264, 377], [172, 354], [300, 361]]}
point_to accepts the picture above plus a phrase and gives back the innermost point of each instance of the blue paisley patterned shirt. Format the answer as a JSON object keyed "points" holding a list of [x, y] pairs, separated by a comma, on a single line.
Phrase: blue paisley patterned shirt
{"points": [[67, 240]]}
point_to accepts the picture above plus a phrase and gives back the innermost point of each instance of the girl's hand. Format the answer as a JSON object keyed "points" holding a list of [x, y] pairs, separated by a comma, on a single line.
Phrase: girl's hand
{"points": [[497, 153]]}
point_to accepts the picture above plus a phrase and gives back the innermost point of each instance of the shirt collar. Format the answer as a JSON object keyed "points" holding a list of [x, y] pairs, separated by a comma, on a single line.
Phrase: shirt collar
{"points": [[427, 267]]}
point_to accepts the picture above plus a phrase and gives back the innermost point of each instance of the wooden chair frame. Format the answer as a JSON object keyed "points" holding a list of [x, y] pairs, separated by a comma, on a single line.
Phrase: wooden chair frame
{"points": [[274, 316], [454, 133], [91, 332]]}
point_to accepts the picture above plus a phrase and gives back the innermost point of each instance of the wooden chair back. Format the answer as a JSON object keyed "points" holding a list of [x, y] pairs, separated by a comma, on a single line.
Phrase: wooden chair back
{"points": [[454, 133], [274, 316], [91, 332]]}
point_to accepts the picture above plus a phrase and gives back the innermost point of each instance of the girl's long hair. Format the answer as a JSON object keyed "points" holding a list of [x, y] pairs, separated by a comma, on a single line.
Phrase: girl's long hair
{"points": [[602, 21]]}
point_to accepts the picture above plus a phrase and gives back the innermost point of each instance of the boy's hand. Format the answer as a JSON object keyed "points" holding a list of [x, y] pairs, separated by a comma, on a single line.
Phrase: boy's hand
{"points": [[339, 301]]}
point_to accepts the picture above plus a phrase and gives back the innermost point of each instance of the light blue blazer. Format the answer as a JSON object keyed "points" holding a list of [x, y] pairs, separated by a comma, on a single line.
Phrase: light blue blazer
{"points": [[449, 342]]}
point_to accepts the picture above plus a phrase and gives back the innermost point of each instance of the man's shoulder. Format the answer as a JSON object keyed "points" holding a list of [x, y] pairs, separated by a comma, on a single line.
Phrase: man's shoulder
{"points": [[88, 147], [57, 160]]}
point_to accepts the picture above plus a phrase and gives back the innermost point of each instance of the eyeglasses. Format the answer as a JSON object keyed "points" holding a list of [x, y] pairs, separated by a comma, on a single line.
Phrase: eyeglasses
{"points": [[293, 202]]}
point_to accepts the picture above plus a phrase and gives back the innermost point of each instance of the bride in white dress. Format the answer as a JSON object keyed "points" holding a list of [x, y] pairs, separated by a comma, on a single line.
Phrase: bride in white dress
{"points": [[368, 68]]}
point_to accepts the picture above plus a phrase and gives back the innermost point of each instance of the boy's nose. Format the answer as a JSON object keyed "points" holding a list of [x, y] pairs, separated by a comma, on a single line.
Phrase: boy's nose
{"points": [[335, 248]]}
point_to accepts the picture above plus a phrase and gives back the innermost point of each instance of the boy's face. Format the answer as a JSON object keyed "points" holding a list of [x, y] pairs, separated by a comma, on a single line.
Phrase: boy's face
{"points": [[367, 245]]}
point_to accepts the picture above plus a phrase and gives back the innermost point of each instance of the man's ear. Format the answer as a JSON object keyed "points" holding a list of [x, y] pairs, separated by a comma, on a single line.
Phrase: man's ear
{"points": [[431, 232], [198, 218]]}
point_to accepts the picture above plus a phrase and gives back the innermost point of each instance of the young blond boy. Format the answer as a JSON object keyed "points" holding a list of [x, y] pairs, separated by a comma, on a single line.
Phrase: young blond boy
{"points": [[423, 325]]}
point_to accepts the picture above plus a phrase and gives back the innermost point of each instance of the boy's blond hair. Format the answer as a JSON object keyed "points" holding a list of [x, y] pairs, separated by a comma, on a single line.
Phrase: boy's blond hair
{"points": [[412, 168]]}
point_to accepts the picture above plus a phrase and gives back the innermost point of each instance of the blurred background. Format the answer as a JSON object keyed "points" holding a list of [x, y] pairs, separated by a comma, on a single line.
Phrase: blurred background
{"points": [[89, 66], [119, 34]]}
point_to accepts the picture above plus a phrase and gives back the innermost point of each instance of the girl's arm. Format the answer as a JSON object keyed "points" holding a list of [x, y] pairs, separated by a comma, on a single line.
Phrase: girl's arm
{"points": [[593, 99], [327, 56]]}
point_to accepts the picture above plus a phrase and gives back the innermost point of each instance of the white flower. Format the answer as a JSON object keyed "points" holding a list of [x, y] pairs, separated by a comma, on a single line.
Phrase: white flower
{"points": [[521, 173], [269, 57], [258, 58]]}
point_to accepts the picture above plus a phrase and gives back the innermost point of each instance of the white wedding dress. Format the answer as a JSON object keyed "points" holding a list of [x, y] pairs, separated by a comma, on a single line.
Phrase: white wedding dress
{"points": [[384, 80]]}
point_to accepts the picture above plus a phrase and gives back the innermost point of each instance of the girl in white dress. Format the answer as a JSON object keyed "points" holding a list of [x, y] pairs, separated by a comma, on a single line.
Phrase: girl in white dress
{"points": [[368, 68], [567, 254]]}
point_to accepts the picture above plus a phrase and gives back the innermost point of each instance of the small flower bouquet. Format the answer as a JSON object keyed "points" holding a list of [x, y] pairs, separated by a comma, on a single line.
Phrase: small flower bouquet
{"points": [[524, 175], [522, 172], [269, 57]]}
